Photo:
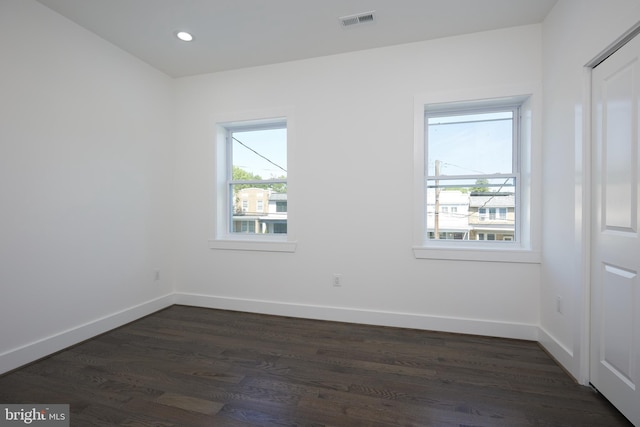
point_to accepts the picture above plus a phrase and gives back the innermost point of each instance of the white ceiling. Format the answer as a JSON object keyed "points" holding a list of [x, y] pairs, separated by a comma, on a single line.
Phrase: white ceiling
{"points": [[232, 34]]}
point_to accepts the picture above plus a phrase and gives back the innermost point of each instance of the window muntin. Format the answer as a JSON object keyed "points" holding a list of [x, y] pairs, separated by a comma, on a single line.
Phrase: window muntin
{"points": [[471, 158], [256, 173]]}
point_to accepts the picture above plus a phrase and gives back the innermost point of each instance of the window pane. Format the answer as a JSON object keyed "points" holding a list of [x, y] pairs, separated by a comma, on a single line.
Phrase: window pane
{"points": [[249, 214], [468, 209], [470, 144], [259, 154], [281, 206]]}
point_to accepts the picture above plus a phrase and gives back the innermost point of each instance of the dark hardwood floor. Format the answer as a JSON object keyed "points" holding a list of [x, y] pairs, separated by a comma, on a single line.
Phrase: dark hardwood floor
{"points": [[187, 366]]}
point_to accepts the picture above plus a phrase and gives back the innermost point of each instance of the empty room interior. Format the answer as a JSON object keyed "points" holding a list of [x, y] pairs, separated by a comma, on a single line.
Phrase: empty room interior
{"points": [[143, 175]]}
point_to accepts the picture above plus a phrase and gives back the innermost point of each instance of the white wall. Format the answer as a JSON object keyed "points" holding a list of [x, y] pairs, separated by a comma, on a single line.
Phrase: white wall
{"points": [[86, 174], [87, 185], [351, 190], [575, 32]]}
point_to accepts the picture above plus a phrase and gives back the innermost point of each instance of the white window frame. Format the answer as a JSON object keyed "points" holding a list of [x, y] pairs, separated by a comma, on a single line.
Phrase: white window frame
{"points": [[222, 236], [526, 249]]}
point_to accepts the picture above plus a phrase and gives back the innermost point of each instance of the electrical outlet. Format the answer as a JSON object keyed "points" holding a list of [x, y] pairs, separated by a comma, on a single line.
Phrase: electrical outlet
{"points": [[337, 280], [559, 307], [156, 275]]}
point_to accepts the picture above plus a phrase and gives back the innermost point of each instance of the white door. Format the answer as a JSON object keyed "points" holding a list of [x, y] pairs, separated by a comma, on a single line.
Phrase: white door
{"points": [[615, 256]]}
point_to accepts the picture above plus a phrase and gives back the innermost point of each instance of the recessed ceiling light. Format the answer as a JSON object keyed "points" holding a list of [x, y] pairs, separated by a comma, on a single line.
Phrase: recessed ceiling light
{"points": [[184, 36]]}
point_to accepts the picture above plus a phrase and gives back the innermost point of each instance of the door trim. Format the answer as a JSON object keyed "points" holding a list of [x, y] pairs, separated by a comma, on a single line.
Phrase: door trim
{"points": [[583, 224], [613, 47]]}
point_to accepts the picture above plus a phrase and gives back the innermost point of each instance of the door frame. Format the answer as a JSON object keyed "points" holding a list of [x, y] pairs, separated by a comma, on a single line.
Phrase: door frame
{"points": [[583, 199]]}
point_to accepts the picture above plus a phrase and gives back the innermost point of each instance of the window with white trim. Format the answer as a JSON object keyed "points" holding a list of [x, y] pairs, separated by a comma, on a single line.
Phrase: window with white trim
{"points": [[473, 152], [256, 166], [251, 175]]}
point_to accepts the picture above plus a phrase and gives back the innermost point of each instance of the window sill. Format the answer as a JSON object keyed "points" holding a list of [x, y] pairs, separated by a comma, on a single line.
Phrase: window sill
{"points": [[478, 254], [253, 245]]}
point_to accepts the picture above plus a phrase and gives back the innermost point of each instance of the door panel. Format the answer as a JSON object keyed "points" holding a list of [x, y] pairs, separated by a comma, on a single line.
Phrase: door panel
{"points": [[615, 293], [618, 146], [616, 336]]}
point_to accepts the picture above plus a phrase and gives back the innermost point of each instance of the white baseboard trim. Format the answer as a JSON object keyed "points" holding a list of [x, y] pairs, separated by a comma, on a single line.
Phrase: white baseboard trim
{"points": [[563, 355], [354, 315], [28, 353]]}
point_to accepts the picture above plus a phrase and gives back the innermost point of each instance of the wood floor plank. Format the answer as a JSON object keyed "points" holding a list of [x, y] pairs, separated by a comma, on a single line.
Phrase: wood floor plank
{"points": [[191, 367], [188, 403]]}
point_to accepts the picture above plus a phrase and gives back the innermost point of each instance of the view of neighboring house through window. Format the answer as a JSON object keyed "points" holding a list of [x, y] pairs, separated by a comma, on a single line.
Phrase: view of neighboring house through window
{"points": [[472, 175], [257, 178]]}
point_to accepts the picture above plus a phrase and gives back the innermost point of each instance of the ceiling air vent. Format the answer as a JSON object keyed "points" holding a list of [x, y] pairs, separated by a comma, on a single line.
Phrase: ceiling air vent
{"points": [[360, 18]]}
